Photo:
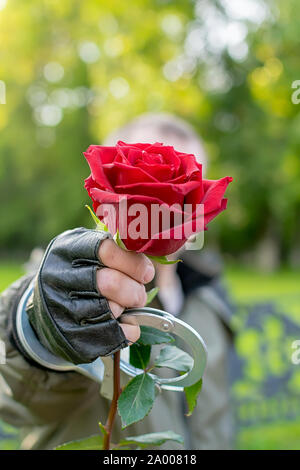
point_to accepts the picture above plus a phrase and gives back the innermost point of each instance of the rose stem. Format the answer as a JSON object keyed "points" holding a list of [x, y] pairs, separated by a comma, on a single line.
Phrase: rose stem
{"points": [[114, 403]]}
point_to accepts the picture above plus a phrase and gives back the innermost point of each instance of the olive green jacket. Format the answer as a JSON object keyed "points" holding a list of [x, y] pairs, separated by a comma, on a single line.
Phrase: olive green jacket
{"points": [[51, 408]]}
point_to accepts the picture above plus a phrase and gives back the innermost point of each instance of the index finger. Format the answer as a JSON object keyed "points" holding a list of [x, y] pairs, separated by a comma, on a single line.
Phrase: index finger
{"points": [[135, 265]]}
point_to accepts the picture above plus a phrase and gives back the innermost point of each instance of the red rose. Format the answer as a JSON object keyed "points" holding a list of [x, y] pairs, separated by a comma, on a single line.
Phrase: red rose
{"points": [[153, 175]]}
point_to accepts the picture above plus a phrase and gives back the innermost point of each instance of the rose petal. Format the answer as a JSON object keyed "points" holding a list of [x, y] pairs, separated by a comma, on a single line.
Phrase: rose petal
{"points": [[120, 173], [178, 179], [183, 231], [111, 197], [211, 215], [134, 154], [169, 154], [158, 171], [102, 153], [189, 166], [161, 247], [95, 164], [213, 193], [152, 174], [140, 146], [169, 193]]}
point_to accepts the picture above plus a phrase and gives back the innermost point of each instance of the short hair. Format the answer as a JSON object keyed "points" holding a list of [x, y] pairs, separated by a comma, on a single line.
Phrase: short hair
{"points": [[161, 127]]}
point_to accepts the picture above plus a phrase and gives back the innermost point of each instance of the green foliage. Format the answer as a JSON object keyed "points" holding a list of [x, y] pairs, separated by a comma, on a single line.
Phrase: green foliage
{"points": [[152, 439], [191, 395], [138, 442], [88, 443], [151, 336], [41, 165], [138, 396], [137, 399], [119, 241], [151, 294], [246, 286], [139, 355], [102, 429], [163, 260], [100, 225], [174, 358]]}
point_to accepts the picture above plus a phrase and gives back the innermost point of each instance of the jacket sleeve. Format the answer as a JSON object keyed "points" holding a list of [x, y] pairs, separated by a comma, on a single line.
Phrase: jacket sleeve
{"points": [[31, 395]]}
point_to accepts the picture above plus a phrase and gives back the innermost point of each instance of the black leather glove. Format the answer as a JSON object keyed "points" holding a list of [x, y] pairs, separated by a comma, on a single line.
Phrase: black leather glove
{"points": [[68, 313]]}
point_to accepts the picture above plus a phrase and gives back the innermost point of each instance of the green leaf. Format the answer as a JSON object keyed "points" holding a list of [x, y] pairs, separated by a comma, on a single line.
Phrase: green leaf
{"points": [[139, 355], [102, 428], [151, 294], [118, 240], [163, 259], [191, 394], [88, 443], [174, 358], [153, 439], [137, 399], [150, 336], [100, 225]]}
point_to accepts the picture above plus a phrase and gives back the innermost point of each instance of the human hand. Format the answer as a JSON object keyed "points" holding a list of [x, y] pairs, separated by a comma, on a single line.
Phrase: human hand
{"points": [[122, 281], [84, 283]]}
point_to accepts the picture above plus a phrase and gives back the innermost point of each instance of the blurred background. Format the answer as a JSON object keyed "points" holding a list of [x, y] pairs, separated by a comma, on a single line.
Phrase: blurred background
{"points": [[75, 71]]}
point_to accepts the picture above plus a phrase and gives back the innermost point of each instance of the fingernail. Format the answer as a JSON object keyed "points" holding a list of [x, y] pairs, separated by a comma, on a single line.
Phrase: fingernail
{"points": [[149, 273]]}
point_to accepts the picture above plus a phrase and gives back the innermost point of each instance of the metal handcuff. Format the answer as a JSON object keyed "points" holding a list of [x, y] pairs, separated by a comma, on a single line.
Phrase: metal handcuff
{"points": [[101, 370]]}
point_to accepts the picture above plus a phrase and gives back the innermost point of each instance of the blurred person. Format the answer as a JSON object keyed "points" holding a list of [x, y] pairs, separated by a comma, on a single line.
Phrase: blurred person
{"points": [[193, 291], [55, 407]]}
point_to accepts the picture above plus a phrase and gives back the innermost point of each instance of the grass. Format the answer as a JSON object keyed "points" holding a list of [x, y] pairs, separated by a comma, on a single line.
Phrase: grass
{"points": [[282, 287], [281, 436], [9, 272], [249, 284], [246, 286]]}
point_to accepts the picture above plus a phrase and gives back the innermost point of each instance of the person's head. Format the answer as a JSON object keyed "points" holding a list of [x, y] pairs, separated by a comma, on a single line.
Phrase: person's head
{"points": [[161, 127]]}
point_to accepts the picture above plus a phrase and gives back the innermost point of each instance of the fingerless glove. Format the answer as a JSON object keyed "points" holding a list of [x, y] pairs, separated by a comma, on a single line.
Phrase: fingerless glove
{"points": [[67, 311]]}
